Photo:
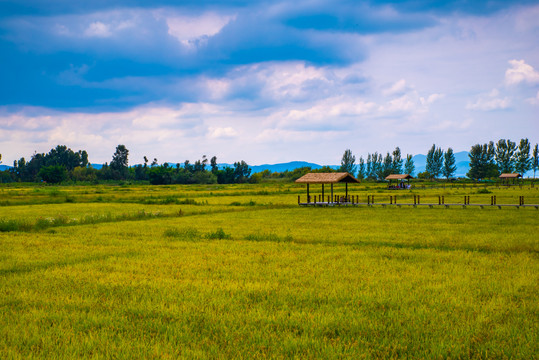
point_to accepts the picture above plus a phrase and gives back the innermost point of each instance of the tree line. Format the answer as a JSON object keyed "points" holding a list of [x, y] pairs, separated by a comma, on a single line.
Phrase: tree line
{"points": [[486, 161], [60, 164], [492, 159], [63, 164]]}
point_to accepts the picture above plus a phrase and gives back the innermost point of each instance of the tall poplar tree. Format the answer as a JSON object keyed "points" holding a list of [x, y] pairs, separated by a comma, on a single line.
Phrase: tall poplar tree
{"points": [[435, 161], [387, 167], [476, 164], [449, 164], [409, 166], [523, 161], [361, 169], [348, 162], [397, 161], [535, 159], [505, 150]]}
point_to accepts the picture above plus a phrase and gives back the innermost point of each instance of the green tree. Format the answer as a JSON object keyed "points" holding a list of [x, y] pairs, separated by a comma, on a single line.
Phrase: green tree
{"points": [[200, 165], [120, 158], [348, 162], [523, 162], [449, 164], [64, 156], [362, 171], [476, 163], [397, 161], [488, 156], [387, 167], [376, 167], [435, 161], [482, 165], [213, 164], [242, 171], [505, 150], [368, 167], [84, 173], [53, 173], [535, 159], [409, 166]]}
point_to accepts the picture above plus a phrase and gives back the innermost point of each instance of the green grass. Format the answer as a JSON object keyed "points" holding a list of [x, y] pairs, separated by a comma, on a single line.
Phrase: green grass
{"points": [[246, 273]]}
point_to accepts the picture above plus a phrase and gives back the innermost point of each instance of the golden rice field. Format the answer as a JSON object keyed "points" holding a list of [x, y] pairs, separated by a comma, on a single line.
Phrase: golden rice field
{"points": [[241, 271]]}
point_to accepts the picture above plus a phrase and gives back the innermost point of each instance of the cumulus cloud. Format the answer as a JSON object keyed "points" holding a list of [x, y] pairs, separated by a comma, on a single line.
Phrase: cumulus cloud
{"points": [[520, 72], [398, 88], [334, 114], [172, 79], [221, 132], [534, 101], [191, 30], [98, 29], [490, 102]]}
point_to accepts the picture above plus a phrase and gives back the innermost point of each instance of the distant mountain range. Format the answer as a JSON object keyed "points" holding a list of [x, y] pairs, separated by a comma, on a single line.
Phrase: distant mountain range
{"points": [[420, 161]]}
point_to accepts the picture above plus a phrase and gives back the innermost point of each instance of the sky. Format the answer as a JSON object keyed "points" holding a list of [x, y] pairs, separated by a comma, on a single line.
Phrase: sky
{"points": [[265, 81]]}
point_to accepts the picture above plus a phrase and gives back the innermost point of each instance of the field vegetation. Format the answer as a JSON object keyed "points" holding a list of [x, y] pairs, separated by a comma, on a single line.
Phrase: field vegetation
{"points": [[241, 271]]}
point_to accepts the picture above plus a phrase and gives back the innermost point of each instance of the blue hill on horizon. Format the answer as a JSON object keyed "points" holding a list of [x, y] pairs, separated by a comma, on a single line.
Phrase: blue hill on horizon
{"points": [[461, 159]]}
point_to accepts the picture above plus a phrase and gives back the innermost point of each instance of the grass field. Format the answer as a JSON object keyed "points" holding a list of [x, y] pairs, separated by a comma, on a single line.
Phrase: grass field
{"points": [[241, 271]]}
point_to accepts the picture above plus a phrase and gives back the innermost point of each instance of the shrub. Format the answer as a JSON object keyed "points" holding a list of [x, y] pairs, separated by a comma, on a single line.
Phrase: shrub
{"points": [[184, 234], [218, 234]]}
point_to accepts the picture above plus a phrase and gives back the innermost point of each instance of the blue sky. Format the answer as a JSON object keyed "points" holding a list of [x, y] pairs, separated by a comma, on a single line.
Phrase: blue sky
{"points": [[265, 81]]}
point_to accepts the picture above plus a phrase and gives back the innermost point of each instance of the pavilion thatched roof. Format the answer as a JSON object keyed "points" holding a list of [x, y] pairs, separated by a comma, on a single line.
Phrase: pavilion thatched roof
{"points": [[509, 176], [327, 178], [399, 177]]}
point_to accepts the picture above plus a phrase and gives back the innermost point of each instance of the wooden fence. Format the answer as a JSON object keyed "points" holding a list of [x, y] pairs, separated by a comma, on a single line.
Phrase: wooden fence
{"points": [[393, 200]]}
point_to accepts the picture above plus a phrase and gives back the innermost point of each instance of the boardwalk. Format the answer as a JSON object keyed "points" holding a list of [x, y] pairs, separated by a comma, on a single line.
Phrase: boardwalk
{"points": [[354, 201]]}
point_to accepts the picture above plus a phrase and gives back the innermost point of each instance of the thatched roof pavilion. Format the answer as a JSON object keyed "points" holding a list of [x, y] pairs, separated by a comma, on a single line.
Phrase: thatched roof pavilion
{"points": [[399, 177], [509, 176], [326, 178]]}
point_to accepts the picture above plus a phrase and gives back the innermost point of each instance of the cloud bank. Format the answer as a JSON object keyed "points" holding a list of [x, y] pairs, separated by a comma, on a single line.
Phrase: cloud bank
{"points": [[265, 81]]}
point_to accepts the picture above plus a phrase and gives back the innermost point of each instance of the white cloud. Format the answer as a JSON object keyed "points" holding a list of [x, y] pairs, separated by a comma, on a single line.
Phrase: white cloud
{"points": [[397, 88], [221, 132], [291, 80], [490, 102], [333, 114], [98, 29], [534, 101], [432, 98], [190, 30], [520, 72]]}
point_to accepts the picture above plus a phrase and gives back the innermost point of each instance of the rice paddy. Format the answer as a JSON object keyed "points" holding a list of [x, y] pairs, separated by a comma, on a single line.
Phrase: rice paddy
{"points": [[241, 271]]}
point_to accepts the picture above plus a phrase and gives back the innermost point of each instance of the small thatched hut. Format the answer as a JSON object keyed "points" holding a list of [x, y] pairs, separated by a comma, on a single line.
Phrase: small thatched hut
{"points": [[326, 178], [398, 177], [506, 177]]}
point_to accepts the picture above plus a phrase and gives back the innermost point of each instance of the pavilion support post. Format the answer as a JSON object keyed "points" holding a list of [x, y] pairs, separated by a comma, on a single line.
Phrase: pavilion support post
{"points": [[332, 198], [322, 191], [346, 191]]}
